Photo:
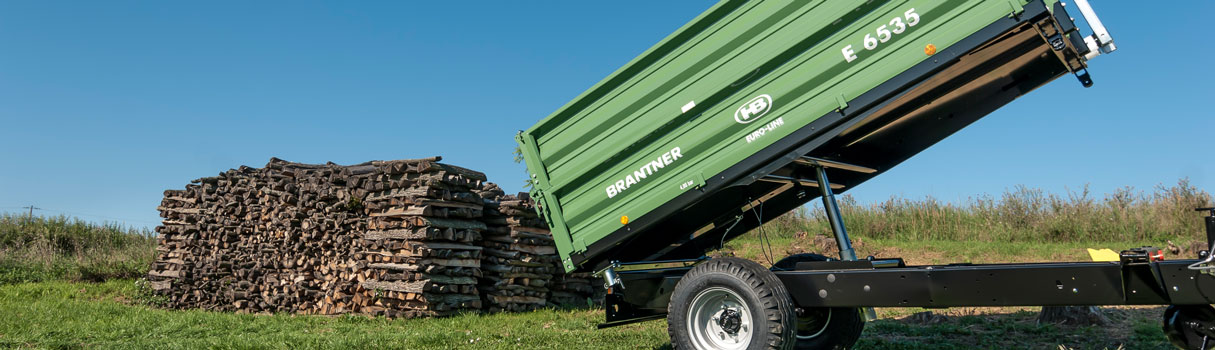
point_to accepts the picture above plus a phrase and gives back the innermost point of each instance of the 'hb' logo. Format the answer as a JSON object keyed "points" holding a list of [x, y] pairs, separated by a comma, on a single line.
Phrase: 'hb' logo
{"points": [[753, 109]]}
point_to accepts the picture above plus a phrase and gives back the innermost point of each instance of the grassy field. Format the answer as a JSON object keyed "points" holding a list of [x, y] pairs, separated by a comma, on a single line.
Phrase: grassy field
{"points": [[68, 284], [114, 315], [61, 248]]}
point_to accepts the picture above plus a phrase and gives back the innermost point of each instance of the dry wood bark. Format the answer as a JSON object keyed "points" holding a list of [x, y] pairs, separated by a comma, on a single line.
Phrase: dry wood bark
{"points": [[394, 238], [519, 257], [402, 238]]}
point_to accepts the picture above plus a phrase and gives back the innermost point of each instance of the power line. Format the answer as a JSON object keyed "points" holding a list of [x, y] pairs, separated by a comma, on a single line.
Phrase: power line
{"points": [[105, 217], [31, 208], [88, 215]]}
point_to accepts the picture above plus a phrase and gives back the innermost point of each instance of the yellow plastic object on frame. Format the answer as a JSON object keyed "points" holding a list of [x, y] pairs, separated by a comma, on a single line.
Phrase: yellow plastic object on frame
{"points": [[1103, 254]]}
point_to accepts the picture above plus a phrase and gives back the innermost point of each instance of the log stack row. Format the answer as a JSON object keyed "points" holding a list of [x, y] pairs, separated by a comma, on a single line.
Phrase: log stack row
{"points": [[519, 255], [422, 240], [403, 238], [274, 239], [579, 289]]}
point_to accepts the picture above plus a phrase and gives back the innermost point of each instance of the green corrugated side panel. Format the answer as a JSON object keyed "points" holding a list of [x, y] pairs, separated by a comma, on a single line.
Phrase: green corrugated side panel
{"points": [[550, 207], [734, 52]]}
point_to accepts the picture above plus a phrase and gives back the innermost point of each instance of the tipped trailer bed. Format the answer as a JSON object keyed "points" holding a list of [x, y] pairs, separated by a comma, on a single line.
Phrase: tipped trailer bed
{"points": [[757, 107]]}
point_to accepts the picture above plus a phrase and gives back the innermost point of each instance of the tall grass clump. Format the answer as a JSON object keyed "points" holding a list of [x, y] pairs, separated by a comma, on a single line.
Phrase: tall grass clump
{"points": [[62, 248], [1022, 214]]}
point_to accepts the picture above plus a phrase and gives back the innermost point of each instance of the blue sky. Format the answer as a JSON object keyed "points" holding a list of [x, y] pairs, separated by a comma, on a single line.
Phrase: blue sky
{"points": [[103, 105]]}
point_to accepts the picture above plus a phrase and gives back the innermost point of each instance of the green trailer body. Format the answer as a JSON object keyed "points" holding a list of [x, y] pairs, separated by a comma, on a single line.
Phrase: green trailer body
{"points": [[674, 153]]}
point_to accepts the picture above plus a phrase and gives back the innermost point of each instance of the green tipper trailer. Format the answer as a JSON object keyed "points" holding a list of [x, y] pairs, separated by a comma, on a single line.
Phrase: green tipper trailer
{"points": [[620, 169], [757, 107]]}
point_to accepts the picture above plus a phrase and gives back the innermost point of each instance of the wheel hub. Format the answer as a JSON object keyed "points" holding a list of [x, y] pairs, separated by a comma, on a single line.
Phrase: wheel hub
{"points": [[730, 321], [719, 319], [813, 322]]}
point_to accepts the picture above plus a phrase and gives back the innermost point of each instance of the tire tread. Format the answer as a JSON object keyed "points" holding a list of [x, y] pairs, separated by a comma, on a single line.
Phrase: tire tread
{"points": [[774, 299]]}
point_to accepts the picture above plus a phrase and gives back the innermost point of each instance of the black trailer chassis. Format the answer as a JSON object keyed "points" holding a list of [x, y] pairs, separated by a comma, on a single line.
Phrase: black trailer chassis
{"points": [[864, 283], [643, 291]]}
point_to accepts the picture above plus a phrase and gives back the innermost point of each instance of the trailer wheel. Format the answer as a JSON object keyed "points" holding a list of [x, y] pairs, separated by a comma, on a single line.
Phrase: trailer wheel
{"points": [[823, 327], [1188, 326], [730, 303]]}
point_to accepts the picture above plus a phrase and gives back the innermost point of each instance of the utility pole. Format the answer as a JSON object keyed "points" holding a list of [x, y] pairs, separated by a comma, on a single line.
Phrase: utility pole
{"points": [[31, 208]]}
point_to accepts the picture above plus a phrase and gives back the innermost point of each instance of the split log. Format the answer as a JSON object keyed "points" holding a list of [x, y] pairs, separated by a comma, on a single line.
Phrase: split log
{"points": [[311, 238]]}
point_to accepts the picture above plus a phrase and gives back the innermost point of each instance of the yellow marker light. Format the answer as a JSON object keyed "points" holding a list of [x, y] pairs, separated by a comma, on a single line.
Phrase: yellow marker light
{"points": [[930, 49], [624, 220]]}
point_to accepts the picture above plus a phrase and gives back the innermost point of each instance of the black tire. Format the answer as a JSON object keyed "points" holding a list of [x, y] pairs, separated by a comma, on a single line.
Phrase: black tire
{"points": [[770, 309], [1182, 336], [835, 328]]}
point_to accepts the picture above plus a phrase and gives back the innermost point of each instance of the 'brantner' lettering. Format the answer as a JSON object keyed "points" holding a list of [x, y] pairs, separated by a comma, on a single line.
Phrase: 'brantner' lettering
{"points": [[645, 171]]}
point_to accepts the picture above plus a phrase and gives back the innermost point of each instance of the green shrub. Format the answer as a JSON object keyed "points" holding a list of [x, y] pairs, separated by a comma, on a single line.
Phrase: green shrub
{"points": [[50, 248], [1020, 215]]}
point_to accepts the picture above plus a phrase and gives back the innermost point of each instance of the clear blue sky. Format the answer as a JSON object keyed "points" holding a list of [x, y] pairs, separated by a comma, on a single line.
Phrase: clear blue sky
{"points": [[103, 105]]}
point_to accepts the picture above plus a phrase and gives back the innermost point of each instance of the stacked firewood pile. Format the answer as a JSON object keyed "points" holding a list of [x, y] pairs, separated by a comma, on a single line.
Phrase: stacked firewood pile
{"points": [[519, 259], [422, 252], [403, 238], [395, 238], [276, 239], [575, 289]]}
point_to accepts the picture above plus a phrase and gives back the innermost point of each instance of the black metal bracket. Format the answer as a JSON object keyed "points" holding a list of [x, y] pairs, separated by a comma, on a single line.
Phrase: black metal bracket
{"points": [[1062, 34], [1210, 221], [649, 291]]}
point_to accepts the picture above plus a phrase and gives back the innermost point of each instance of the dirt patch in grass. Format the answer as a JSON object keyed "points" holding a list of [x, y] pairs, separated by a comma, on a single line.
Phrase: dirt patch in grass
{"points": [[1132, 327]]}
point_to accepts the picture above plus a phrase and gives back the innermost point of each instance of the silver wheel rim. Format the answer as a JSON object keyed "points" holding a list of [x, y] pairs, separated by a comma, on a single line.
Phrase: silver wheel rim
{"points": [[820, 330], [707, 308]]}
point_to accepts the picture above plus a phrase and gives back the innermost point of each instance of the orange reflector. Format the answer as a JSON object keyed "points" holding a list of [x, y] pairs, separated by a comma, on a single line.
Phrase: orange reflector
{"points": [[930, 49], [624, 220]]}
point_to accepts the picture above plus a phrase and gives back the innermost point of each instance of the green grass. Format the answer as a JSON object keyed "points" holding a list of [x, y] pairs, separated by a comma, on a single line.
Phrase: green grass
{"points": [[105, 315], [109, 315], [62, 248]]}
